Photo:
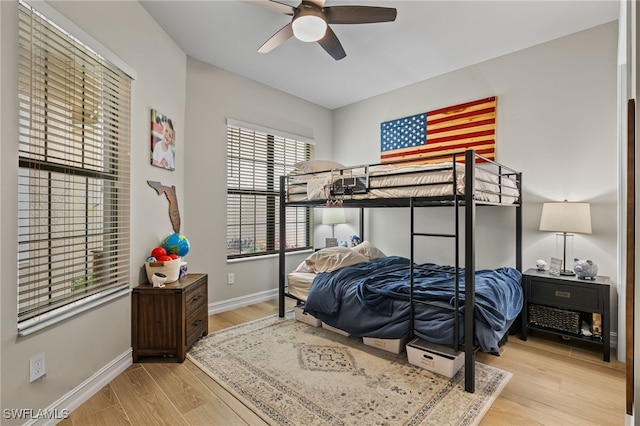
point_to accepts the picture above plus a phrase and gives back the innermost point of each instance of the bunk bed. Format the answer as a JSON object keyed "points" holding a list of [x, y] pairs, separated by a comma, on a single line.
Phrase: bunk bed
{"points": [[462, 180]]}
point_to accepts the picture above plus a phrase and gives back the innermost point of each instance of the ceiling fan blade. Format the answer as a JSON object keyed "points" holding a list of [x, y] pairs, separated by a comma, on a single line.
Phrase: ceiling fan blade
{"points": [[332, 45], [273, 6], [359, 14], [283, 34]]}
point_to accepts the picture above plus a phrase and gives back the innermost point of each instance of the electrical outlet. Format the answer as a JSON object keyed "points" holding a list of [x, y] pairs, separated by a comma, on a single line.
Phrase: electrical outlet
{"points": [[231, 279], [36, 367]]}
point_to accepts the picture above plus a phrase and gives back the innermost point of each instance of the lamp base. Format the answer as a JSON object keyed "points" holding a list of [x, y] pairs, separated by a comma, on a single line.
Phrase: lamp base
{"points": [[567, 272]]}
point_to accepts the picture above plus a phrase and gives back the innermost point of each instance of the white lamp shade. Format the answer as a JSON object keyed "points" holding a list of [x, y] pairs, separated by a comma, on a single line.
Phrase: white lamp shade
{"points": [[564, 216], [333, 216], [309, 27]]}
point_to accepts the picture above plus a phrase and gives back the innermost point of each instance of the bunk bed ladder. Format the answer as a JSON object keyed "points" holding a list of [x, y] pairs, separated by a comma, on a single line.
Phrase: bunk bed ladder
{"points": [[456, 271], [469, 256]]}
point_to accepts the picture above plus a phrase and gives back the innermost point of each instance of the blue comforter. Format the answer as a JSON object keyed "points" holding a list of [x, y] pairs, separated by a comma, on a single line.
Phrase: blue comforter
{"points": [[370, 299]]}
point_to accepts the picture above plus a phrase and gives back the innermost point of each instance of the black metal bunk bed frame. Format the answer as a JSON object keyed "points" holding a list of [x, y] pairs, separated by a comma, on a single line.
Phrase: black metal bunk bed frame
{"points": [[467, 200]]}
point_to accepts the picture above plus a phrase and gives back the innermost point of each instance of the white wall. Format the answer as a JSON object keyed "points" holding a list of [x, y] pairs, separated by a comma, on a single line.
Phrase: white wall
{"points": [[213, 95], [556, 122], [77, 348]]}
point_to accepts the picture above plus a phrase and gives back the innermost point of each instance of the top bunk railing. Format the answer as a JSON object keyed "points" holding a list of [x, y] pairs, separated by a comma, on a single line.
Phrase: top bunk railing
{"points": [[434, 180]]}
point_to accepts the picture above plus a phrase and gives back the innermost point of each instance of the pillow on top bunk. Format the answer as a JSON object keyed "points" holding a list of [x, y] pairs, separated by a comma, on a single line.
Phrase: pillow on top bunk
{"points": [[333, 258], [368, 250], [311, 166]]}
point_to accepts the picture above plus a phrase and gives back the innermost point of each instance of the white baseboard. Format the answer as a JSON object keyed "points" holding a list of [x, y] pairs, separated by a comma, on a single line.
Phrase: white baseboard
{"points": [[81, 393], [240, 302], [85, 390]]}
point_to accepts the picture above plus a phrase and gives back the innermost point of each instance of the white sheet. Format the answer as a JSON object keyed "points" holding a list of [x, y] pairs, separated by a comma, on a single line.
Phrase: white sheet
{"points": [[383, 176], [300, 284]]}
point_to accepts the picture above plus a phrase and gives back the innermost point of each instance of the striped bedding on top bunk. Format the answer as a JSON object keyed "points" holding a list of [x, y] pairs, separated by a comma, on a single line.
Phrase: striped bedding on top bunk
{"points": [[392, 181]]}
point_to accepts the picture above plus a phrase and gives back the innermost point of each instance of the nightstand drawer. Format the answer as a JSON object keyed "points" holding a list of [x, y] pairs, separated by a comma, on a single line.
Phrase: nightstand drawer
{"points": [[195, 297], [567, 296], [196, 325]]}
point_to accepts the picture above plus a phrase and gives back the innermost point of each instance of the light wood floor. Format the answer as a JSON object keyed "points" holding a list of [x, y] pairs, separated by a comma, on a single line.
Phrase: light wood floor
{"points": [[554, 382]]}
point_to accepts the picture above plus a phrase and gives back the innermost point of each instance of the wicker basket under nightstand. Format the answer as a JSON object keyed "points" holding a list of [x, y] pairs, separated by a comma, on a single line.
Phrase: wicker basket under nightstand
{"points": [[553, 318]]}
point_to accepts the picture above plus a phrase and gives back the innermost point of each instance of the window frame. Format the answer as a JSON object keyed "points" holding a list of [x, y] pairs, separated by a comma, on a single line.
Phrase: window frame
{"points": [[265, 186], [73, 165]]}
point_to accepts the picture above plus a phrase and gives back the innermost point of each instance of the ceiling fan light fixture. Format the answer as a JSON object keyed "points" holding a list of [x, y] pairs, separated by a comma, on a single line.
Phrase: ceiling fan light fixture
{"points": [[311, 22], [309, 25]]}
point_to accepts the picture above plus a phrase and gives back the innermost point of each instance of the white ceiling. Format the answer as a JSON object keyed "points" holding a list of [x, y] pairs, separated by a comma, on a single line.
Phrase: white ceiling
{"points": [[428, 38]]}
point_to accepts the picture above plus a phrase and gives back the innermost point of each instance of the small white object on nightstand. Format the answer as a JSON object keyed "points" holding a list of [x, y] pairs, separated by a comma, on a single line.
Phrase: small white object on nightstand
{"points": [[541, 265], [158, 279]]}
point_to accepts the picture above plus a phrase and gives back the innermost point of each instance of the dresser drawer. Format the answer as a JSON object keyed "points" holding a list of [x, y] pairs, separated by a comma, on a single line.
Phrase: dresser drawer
{"points": [[195, 297], [564, 295], [197, 325]]}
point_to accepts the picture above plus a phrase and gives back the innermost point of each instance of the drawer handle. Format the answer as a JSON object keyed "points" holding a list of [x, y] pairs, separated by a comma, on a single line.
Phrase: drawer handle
{"points": [[197, 323], [565, 294], [198, 297]]}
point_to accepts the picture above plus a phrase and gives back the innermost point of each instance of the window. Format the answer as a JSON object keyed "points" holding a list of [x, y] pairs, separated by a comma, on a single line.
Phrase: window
{"points": [[255, 161], [73, 178]]}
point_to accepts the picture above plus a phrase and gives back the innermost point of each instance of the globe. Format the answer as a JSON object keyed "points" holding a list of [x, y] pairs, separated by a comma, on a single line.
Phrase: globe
{"points": [[177, 244]]}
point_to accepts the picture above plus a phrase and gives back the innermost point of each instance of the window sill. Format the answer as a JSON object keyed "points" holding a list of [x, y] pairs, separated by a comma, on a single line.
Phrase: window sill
{"points": [[267, 256], [53, 317]]}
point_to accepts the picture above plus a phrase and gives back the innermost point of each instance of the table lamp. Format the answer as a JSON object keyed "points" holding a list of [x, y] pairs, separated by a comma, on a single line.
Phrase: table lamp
{"points": [[333, 216], [565, 218]]}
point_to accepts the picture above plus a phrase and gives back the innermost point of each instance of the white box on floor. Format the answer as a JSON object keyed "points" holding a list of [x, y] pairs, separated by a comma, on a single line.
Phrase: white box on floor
{"points": [[437, 358], [334, 329], [306, 318], [390, 345]]}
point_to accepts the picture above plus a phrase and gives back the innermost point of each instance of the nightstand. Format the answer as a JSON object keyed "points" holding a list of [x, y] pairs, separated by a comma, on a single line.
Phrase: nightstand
{"points": [[166, 321], [560, 305]]}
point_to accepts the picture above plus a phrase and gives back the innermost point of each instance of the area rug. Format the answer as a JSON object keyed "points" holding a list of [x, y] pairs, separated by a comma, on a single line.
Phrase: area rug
{"points": [[291, 373]]}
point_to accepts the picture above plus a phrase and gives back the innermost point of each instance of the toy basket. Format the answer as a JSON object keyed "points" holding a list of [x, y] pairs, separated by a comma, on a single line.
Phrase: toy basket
{"points": [[170, 268]]}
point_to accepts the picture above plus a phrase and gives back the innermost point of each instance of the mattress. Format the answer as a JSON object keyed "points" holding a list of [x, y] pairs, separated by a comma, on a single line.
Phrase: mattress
{"points": [[300, 284], [388, 181]]}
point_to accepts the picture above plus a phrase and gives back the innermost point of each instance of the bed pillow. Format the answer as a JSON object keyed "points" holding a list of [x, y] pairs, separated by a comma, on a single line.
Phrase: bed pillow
{"points": [[303, 267], [333, 258], [317, 166], [368, 250]]}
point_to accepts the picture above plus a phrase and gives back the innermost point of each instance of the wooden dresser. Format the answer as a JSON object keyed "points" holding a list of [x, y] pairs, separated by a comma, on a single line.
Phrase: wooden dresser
{"points": [[166, 321]]}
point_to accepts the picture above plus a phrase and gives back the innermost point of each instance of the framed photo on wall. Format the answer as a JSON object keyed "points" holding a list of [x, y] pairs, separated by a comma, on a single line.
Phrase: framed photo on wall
{"points": [[163, 141]]}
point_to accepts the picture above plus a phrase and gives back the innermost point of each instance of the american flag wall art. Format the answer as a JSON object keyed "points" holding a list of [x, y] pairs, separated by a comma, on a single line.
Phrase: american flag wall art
{"points": [[471, 125]]}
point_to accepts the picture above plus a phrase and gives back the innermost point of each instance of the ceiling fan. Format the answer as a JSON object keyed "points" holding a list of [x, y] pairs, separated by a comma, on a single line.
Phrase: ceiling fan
{"points": [[311, 21]]}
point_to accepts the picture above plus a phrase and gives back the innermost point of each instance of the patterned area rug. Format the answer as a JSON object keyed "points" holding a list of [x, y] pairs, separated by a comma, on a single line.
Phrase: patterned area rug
{"points": [[290, 373]]}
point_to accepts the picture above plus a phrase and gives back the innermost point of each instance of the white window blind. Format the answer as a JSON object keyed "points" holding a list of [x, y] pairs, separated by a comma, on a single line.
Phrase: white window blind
{"points": [[74, 171], [255, 161]]}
